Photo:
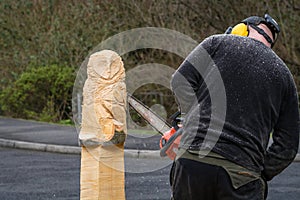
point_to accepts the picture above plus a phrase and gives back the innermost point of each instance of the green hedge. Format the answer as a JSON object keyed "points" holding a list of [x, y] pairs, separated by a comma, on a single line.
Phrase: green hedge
{"points": [[40, 93], [46, 32]]}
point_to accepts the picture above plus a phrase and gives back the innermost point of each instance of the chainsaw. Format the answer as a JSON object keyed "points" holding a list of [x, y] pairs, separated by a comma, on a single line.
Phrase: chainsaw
{"points": [[171, 133]]}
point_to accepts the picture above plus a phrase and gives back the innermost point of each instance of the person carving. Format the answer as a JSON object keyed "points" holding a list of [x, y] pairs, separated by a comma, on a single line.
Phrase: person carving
{"points": [[261, 98]]}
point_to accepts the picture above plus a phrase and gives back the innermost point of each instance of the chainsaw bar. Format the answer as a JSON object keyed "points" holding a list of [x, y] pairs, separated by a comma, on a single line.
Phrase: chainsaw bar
{"points": [[156, 121]]}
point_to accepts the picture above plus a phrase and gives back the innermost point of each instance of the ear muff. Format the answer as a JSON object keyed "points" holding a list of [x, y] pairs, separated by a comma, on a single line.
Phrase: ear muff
{"points": [[240, 29]]}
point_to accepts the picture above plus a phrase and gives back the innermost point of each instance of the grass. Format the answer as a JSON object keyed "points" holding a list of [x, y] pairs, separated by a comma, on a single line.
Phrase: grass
{"points": [[142, 131]]}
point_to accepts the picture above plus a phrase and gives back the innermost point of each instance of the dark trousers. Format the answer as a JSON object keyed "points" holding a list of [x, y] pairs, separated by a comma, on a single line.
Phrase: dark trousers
{"points": [[193, 180]]}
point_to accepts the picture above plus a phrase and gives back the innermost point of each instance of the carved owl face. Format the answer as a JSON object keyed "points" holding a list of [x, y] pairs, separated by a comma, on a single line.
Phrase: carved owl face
{"points": [[105, 64]]}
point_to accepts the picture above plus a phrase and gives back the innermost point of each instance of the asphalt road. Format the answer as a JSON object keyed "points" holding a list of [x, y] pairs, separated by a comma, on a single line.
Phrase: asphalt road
{"points": [[40, 175], [40, 132]]}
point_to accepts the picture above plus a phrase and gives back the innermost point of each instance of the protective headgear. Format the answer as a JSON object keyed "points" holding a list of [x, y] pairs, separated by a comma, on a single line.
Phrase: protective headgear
{"points": [[241, 29]]}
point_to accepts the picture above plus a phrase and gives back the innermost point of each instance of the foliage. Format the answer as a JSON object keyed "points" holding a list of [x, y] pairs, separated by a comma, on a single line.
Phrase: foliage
{"points": [[55, 32], [40, 93]]}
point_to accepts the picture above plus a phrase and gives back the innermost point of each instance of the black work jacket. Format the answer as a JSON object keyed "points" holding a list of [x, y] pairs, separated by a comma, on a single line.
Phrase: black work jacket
{"points": [[234, 93]]}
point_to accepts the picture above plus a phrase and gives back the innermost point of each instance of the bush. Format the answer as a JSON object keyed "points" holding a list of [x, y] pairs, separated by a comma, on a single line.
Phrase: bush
{"points": [[40, 93], [40, 33]]}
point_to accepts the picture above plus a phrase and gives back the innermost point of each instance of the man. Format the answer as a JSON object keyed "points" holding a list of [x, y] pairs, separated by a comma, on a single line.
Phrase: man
{"points": [[234, 92]]}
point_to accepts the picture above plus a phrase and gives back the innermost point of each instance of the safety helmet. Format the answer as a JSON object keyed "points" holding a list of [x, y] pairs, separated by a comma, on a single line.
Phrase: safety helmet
{"points": [[253, 21]]}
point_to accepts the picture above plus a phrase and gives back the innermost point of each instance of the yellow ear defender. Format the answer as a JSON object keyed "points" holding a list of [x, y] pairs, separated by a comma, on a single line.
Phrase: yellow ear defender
{"points": [[240, 29]]}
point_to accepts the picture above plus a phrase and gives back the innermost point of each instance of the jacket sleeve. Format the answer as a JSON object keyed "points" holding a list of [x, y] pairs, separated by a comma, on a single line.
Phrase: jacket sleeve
{"points": [[285, 135], [187, 82]]}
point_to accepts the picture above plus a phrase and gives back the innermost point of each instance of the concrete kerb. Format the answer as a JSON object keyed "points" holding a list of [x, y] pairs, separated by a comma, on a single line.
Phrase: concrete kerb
{"points": [[131, 153], [297, 159]]}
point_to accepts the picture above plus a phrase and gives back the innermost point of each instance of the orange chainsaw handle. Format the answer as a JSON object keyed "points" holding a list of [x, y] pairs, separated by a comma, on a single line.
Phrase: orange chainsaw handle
{"points": [[170, 140], [169, 147], [165, 138]]}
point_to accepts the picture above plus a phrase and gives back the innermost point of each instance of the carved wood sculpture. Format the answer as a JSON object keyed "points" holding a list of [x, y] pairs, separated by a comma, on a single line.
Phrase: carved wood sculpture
{"points": [[103, 128]]}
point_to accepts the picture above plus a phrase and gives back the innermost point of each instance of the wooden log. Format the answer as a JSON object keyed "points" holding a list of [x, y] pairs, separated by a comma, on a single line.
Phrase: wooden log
{"points": [[103, 128]]}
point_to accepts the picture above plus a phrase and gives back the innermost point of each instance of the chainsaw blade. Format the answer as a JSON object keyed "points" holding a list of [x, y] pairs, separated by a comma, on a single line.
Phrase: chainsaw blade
{"points": [[156, 121]]}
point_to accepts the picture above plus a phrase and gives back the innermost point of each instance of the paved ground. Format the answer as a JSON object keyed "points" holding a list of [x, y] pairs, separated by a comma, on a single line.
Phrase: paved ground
{"points": [[31, 131], [28, 174], [42, 175]]}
